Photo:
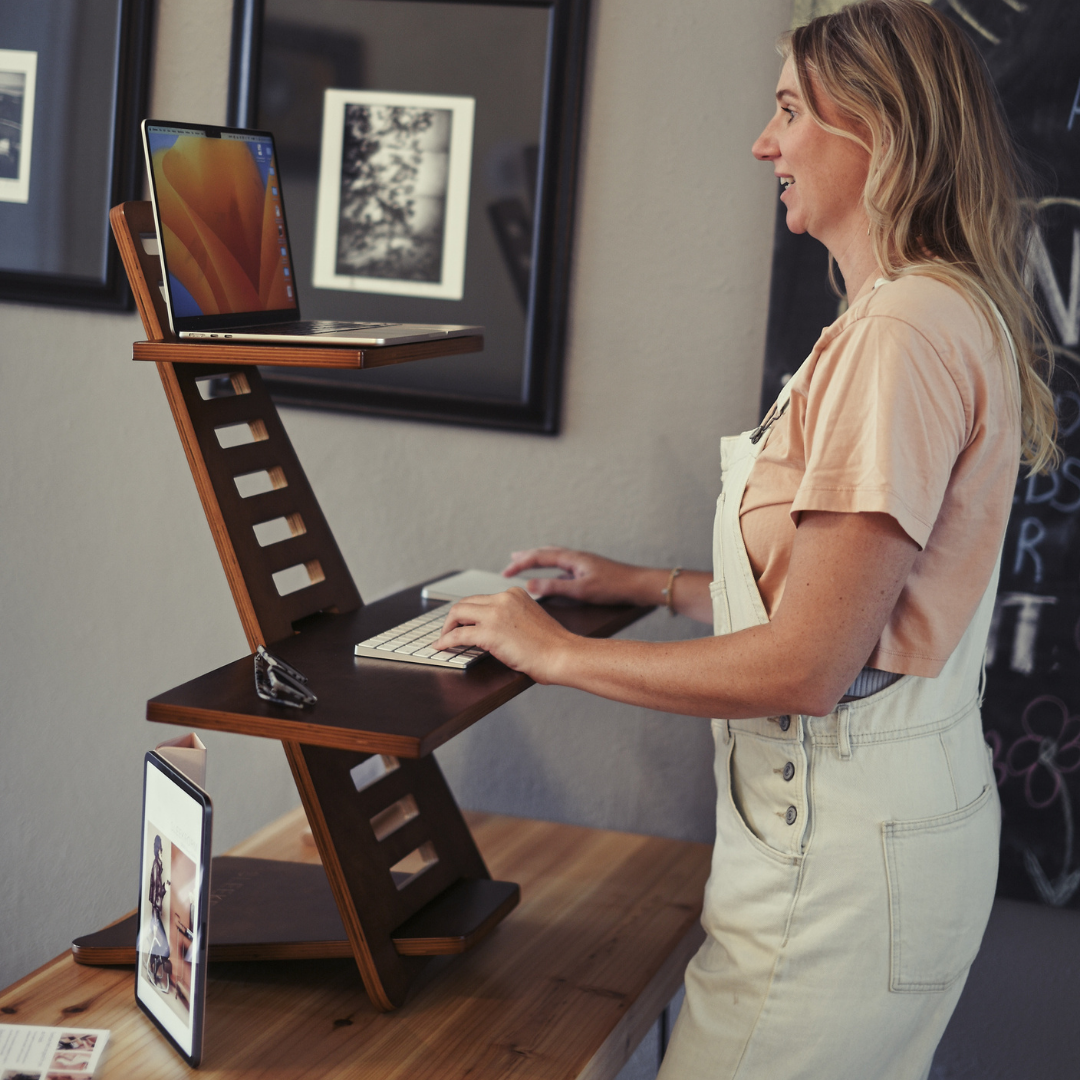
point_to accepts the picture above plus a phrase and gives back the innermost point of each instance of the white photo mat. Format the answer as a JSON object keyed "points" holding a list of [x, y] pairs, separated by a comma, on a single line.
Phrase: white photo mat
{"points": [[15, 62], [446, 171]]}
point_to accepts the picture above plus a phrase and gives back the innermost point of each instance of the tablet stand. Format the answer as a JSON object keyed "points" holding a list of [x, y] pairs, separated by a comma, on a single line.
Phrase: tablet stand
{"points": [[406, 876]]}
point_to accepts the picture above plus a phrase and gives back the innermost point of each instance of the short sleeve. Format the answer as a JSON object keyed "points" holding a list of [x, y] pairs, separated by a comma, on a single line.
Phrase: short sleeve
{"points": [[884, 423]]}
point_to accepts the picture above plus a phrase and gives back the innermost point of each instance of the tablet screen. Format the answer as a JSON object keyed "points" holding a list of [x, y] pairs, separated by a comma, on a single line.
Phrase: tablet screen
{"points": [[173, 902]]}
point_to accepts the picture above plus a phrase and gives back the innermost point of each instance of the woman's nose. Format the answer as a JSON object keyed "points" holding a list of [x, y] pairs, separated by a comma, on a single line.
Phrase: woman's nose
{"points": [[764, 148]]}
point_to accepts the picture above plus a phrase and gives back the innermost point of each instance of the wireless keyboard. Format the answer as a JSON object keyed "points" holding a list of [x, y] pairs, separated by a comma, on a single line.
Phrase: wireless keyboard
{"points": [[412, 641]]}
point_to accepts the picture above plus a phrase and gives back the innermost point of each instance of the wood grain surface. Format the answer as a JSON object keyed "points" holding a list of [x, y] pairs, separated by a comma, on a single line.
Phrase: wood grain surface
{"points": [[249, 566], [131, 222], [302, 356], [564, 987], [375, 706]]}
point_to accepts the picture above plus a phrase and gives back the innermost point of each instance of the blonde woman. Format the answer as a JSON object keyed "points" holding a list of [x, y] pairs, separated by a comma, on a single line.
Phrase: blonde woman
{"points": [[856, 554]]}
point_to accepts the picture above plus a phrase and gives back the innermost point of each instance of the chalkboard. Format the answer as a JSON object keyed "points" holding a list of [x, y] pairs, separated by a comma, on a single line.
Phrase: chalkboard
{"points": [[1031, 710]]}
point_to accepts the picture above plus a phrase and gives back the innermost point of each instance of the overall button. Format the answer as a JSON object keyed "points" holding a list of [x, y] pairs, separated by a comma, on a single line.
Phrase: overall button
{"points": [[791, 815], [785, 723], [789, 770]]}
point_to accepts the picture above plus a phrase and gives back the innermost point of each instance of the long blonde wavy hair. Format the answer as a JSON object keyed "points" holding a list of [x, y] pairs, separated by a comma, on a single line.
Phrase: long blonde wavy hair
{"points": [[946, 191]]}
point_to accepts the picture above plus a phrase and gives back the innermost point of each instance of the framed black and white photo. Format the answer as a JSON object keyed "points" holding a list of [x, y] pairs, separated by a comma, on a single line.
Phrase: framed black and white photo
{"points": [[393, 199], [72, 92], [428, 156], [18, 78]]}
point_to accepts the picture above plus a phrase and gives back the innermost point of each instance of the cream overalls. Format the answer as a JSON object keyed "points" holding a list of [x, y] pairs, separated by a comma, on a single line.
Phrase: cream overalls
{"points": [[854, 867]]}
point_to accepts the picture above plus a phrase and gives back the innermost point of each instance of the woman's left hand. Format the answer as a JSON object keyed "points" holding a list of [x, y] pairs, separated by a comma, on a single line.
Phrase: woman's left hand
{"points": [[511, 626]]}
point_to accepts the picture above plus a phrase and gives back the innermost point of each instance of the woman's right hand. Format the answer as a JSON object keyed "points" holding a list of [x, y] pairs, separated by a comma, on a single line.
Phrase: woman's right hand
{"points": [[590, 578]]}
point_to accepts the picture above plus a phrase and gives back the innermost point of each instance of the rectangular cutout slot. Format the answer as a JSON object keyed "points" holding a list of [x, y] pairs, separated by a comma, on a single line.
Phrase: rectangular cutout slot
{"points": [[294, 578], [388, 821], [217, 386], [278, 529], [150, 244], [371, 770], [259, 483], [241, 434], [413, 865]]}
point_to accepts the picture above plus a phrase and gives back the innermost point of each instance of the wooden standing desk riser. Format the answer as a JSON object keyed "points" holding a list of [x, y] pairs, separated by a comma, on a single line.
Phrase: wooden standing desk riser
{"points": [[365, 707], [564, 988]]}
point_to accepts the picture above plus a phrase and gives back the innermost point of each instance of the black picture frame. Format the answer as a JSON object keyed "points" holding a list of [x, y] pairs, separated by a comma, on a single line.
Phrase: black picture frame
{"points": [[92, 65], [503, 387]]}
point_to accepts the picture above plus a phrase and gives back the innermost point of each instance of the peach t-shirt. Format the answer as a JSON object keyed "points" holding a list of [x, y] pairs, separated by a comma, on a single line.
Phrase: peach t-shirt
{"points": [[903, 407]]}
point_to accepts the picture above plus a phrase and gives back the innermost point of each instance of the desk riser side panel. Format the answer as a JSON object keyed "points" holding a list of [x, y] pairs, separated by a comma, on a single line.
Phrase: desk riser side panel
{"points": [[265, 615], [274, 453], [358, 865], [130, 222]]}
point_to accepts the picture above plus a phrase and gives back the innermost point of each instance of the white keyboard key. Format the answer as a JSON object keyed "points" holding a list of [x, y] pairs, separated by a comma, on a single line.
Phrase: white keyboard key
{"points": [[414, 641]]}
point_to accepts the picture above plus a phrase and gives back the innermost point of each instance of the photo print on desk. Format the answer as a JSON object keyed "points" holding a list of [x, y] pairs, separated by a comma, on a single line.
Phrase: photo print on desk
{"points": [[393, 200], [18, 78]]}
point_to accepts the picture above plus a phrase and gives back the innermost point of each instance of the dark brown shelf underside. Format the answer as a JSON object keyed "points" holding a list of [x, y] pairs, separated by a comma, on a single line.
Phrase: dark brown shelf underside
{"points": [[371, 706]]}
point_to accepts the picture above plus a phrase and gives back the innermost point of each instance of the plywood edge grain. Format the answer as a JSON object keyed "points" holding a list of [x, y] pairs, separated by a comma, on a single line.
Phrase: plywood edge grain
{"points": [[336, 356], [214, 518], [467, 717], [350, 919], [492, 901], [268, 727]]}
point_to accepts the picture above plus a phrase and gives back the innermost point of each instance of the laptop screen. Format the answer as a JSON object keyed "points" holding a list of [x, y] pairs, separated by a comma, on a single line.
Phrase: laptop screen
{"points": [[224, 245]]}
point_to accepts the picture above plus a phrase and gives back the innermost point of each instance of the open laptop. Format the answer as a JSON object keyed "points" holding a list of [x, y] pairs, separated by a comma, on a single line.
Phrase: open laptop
{"points": [[224, 243]]}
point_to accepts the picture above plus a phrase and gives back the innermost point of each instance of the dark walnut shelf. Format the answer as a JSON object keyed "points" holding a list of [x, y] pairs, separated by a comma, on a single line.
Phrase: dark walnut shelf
{"points": [[372, 706], [280, 355]]}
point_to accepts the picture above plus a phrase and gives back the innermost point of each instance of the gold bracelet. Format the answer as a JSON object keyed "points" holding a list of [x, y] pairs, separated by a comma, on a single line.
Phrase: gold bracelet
{"points": [[667, 592]]}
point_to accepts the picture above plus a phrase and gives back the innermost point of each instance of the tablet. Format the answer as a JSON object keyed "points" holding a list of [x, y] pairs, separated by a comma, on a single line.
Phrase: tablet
{"points": [[174, 895]]}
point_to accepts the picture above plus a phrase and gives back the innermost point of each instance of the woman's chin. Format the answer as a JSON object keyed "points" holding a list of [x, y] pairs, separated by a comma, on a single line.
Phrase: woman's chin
{"points": [[795, 224]]}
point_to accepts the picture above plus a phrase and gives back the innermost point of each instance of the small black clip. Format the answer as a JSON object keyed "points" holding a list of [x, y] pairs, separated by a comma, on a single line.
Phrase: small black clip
{"points": [[770, 419], [279, 682]]}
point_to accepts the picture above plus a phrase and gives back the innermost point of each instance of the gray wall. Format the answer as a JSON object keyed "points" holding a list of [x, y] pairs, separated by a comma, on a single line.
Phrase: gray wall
{"points": [[110, 587]]}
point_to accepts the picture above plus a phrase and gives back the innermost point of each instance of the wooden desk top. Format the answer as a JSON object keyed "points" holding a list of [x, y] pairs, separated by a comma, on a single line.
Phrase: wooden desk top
{"points": [[373, 706], [235, 354], [565, 987]]}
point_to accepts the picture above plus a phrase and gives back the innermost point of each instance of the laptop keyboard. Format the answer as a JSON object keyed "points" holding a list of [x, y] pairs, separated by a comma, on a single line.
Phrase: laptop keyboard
{"points": [[412, 641], [320, 326]]}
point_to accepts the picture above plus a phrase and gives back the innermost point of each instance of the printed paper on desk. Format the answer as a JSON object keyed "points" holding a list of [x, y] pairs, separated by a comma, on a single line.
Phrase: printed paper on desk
{"points": [[42, 1053]]}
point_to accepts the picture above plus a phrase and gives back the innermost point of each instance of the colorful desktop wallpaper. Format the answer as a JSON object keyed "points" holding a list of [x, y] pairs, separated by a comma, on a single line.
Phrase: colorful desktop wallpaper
{"points": [[222, 224]]}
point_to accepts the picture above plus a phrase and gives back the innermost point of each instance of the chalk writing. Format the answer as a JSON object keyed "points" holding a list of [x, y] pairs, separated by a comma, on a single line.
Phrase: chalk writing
{"points": [[1032, 534], [1048, 749], [1060, 489], [1065, 314], [1025, 629]]}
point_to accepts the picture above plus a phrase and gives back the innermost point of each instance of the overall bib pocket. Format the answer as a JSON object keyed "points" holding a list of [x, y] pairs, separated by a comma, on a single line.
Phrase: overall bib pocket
{"points": [[769, 812], [942, 872]]}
